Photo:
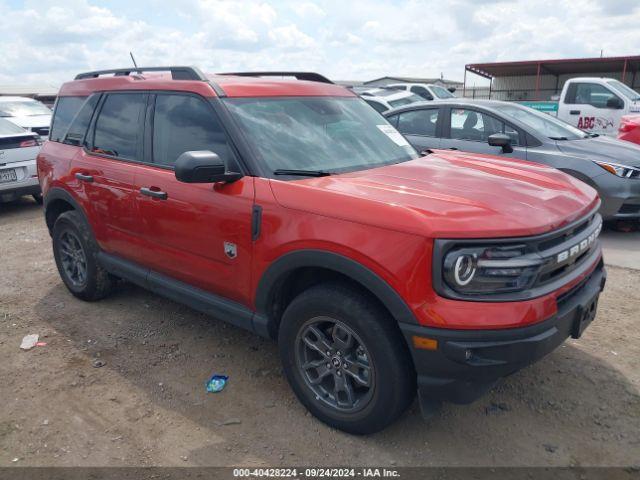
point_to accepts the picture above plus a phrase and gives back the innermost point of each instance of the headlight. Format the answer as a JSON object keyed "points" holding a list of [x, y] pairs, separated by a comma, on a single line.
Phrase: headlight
{"points": [[620, 170], [477, 270]]}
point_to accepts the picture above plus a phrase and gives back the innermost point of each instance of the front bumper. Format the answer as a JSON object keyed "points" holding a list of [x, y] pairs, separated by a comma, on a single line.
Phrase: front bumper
{"points": [[467, 363], [620, 197]]}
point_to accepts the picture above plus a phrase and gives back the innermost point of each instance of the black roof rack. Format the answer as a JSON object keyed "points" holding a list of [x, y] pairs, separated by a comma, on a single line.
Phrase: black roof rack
{"points": [[309, 76], [177, 73]]}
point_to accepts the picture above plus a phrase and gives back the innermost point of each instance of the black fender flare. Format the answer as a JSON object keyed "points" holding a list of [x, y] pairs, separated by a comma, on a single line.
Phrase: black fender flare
{"points": [[57, 193], [329, 261]]}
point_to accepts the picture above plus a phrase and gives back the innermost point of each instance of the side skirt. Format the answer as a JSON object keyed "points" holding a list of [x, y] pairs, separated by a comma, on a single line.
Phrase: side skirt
{"points": [[200, 300]]}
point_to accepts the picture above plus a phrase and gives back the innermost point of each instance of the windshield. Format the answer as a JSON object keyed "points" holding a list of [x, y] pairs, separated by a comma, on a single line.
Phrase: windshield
{"points": [[22, 108], [543, 123], [442, 92], [8, 128], [330, 134], [406, 100], [624, 90]]}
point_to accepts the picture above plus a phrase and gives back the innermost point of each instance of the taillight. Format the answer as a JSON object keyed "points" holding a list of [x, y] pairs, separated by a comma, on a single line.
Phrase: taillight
{"points": [[628, 125], [32, 142]]}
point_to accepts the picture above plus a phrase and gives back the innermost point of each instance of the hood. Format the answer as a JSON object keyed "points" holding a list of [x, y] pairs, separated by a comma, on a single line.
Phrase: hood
{"points": [[447, 195], [31, 121], [603, 148]]}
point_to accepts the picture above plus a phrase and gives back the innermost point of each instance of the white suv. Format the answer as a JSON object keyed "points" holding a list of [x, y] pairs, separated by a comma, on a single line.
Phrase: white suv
{"points": [[27, 113], [18, 151], [383, 99], [428, 91]]}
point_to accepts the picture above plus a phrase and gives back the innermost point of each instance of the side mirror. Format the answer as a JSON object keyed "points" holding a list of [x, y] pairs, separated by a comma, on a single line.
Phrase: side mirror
{"points": [[203, 167], [615, 103], [501, 140]]}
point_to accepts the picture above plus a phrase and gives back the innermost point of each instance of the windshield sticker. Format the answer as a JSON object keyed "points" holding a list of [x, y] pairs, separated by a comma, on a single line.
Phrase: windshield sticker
{"points": [[395, 136]]}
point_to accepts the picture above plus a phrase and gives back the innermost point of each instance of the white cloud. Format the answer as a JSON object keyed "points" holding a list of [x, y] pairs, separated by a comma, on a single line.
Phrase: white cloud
{"points": [[307, 10], [50, 41]]}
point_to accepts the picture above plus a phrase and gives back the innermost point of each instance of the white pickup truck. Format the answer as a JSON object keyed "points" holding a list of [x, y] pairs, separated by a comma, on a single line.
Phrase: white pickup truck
{"points": [[592, 104]]}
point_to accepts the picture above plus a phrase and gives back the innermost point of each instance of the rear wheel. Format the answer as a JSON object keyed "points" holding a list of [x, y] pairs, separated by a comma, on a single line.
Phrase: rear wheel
{"points": [[38, 198], [75, 252], [345, 360]]}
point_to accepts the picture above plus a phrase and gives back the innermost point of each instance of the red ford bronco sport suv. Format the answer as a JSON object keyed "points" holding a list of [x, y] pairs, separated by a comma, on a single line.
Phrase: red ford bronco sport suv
{"points": [[291, 208]]}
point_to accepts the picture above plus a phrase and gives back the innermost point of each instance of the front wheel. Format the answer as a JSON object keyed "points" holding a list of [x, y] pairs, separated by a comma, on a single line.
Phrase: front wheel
{"points": [[345, 359]]}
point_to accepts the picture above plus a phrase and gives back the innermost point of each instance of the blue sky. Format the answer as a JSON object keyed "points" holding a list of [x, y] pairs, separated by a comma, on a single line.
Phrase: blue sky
{"points": [[48, 42]]}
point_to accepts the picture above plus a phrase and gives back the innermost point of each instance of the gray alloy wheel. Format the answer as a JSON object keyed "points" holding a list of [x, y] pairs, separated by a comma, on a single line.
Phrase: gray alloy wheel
{"points": [[73, 258], [335, 364]]}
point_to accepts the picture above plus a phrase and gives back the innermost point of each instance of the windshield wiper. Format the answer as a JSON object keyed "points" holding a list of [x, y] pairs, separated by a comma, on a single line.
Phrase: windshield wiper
{"points": [[558, 138], [302, 173]]}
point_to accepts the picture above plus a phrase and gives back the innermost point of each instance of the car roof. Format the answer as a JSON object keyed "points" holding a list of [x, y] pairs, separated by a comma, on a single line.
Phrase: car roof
{"points": [[211, 85], [489, 105], [8, 98]]}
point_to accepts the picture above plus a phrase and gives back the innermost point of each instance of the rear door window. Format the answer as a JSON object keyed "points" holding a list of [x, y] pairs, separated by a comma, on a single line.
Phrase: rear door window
{"points": [[80, 124], [66, 109], [419, 122], [184, 123], [118, 128], [423, 92]]}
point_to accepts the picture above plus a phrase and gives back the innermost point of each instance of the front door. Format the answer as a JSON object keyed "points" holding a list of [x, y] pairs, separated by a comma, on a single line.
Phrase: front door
{"points": [[196, 233], [468, 130]]}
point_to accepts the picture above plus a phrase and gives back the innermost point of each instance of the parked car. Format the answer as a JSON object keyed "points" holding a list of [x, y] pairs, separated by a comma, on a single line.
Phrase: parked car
{"points": [[428, 91], [630, 128], [510, 130], [18, 150], [292, 209], [592, 104], [27, 113], [383, 99]]}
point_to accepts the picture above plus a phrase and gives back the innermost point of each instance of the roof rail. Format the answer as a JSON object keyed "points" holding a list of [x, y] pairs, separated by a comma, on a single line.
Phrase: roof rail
{"points": [[309, 76], [177, 73]]}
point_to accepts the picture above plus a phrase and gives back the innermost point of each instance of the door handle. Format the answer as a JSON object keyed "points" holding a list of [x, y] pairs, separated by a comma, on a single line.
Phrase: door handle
{"points": [[84, 177], [574, 112], [154, 193], [453, 148]]}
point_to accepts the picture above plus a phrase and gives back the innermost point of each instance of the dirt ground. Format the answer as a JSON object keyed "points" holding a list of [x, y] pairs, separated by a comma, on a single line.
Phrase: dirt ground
{"points": [[148, 406]]}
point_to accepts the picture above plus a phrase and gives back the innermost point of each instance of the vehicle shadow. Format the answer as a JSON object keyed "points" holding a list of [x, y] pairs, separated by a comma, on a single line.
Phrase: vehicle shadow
{"points": [[18, 206], [571, 407]]}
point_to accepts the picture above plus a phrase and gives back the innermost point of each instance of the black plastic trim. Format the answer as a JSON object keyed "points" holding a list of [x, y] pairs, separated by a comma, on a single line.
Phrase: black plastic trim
{"points": [[177, 72], [308, 76], [256, 222], [289, 262], [57, 193], [200, 300]]}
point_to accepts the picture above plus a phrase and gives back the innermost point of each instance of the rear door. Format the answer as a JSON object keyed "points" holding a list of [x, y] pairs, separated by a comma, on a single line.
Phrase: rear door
{"points": [[421, 127], [591, 107], [103, 170], [468, 129], [196, 233]]}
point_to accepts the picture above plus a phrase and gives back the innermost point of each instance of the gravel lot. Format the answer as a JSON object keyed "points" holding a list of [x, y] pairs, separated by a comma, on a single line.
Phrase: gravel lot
{"points": [[148, 406]]}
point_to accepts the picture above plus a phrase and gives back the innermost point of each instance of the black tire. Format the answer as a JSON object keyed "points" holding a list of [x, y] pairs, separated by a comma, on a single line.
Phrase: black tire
{"points": [[95, 283], [390, 371], [38, 198]]}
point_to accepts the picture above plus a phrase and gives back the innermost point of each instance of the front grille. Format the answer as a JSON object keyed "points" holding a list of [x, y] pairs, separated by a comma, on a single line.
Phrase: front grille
{"points": [[630, 208], [565, 250]]}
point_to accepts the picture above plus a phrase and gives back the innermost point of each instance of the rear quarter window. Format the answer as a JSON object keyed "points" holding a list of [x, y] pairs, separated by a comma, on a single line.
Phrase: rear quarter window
{"points": [[66, 109]]}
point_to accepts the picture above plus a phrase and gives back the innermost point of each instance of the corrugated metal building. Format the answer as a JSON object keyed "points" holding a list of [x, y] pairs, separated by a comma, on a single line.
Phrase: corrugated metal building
{"points": [[542, 79]]}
